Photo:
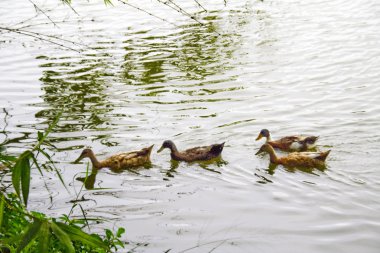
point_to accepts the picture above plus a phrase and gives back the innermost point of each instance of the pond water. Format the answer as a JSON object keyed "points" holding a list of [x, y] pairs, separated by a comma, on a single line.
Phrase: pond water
{"points": [[290, 66]]}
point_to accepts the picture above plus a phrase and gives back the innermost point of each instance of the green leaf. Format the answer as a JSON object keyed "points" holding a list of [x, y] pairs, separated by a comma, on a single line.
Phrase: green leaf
{"points": [[8, 158], [25, 178], [51, 126], [46, 155], [29, 235], [63, 237], [109, 234], [108, 2], [43, 245], [120, 231], [78, 235], [17, 170], [2, 202], [37, 165], [40, 135]]}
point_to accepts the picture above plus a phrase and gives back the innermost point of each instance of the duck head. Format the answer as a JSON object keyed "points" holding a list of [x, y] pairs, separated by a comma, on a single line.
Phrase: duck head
{"points": [[167, 144], [85, 153], [265, 148], [263, 133]]}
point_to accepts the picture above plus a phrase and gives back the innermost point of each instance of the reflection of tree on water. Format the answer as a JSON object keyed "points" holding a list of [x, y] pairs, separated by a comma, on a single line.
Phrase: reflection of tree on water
{"points": [[202, 52], [80, 93], [192, 53]]}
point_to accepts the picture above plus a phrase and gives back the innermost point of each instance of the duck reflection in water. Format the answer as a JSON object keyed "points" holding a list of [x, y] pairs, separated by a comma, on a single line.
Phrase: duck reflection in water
{"points": [[89, 181], [218, 161]]}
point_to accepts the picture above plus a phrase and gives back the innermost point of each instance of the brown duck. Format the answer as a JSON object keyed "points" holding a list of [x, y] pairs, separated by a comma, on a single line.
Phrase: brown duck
{"points": [[194, 154], [119, 161], [289, 143], [296, 159]]}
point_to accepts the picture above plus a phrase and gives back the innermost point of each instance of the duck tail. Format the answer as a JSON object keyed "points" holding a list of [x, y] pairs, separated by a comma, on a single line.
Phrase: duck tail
{"points": [[324, 155], [149, 149], [312, 139]]}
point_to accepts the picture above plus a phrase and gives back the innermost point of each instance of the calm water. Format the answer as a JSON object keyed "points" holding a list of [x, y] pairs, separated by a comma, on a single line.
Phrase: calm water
{"points": [[290, 66]]}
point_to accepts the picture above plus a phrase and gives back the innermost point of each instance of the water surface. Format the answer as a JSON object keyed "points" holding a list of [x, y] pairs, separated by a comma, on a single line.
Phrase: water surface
{"points": [[290, 66]]}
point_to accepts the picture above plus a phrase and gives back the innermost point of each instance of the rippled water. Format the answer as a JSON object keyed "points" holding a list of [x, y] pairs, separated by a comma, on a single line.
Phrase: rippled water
{"points": [[290, 66]]}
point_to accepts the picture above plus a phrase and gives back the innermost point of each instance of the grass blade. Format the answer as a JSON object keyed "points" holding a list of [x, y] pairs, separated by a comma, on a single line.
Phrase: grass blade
{"points": [[84, 216], [25, 178], [29, 235], [41, 139], [2, 202], [77, 234], [7, 158], [37, 165], [54, 168], [43, 245], [61, 178], [63, 237], [17, 170]]}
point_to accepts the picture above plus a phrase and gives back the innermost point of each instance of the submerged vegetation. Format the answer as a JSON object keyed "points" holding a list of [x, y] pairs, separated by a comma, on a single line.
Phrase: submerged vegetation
{"points": [[40, 233]]}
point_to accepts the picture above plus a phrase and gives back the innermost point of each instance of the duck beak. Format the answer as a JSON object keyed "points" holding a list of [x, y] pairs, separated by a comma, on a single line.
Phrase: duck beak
{"points": [[259, 137], [259, 152], [79, 159], [162, 148]]}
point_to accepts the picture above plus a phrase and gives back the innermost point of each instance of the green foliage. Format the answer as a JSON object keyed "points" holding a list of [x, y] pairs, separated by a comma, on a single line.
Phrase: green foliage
{"points": [[40, 233], [29, 235], [114, 240], [22, 167], [44, 238], [2, 202], [21, 175]]}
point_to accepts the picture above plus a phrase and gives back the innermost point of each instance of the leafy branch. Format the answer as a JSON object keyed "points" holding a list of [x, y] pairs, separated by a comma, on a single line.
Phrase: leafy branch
{"points": [[21, 170], [43, 234]]}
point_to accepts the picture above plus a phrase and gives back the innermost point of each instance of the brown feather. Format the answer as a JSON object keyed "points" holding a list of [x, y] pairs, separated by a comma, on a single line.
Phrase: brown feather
{"points": [[307, 159], [289, 143], [193, 154], [119, 161]]}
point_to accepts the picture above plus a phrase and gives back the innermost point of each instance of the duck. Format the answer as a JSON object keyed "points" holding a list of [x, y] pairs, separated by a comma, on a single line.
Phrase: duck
{"points": [[296, 159], [118, 161], [203, 153], [289, 143]]}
